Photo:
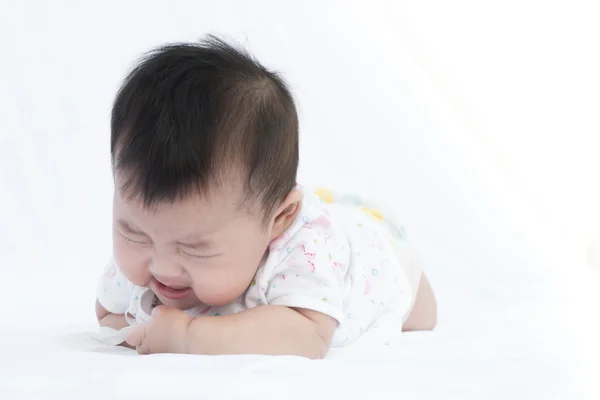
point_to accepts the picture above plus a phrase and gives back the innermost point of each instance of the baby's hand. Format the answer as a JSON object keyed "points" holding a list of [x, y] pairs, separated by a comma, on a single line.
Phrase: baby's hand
{"points": [[165, 333]]}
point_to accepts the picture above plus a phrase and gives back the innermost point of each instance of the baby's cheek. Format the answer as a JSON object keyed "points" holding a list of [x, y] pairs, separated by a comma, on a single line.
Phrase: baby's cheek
{"points": [[132, 263], [222, 288]]}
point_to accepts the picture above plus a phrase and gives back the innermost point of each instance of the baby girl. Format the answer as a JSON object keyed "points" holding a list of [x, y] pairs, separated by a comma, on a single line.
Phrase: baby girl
{"points": [[216, 248]]}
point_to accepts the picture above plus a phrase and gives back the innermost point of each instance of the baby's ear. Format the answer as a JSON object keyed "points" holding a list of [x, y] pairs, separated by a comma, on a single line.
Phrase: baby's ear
{"points": [[286, 213]]}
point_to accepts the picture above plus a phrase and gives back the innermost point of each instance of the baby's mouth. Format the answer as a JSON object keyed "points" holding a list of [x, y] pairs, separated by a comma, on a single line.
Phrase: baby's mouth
{"points": [[169, 292]]}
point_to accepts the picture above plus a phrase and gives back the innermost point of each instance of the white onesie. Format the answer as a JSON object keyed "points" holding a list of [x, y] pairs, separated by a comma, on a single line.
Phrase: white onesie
{"points": [[338, 258]]}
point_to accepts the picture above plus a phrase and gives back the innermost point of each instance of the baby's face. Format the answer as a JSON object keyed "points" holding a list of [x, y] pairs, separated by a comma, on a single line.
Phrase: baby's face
{"points": [[190, 252]]}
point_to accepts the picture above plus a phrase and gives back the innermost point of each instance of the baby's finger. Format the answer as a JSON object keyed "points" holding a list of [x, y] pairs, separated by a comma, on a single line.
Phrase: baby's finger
{"points": [[144, 346], [142, 350], [157, 310], [135, 335]]}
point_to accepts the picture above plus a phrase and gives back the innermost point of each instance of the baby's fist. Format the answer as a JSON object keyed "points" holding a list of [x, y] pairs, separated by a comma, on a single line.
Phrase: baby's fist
{"points": [[165, 333]]}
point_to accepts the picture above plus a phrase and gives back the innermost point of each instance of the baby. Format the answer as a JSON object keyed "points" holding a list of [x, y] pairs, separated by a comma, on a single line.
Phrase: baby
{"points": [[216, 248]]}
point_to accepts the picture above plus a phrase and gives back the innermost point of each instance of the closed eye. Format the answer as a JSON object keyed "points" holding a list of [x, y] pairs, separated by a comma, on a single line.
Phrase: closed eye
{"points": [[196, 256], [132, 241], [129, 240]]}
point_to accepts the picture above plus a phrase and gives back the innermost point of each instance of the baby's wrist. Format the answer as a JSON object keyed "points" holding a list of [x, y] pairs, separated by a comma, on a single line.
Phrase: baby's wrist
{"points": [[180, 338], [196, 341]]}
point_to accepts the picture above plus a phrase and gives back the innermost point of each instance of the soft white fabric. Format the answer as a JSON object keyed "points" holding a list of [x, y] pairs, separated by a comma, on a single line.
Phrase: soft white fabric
{"points": [[334, 259], [114, 291]]}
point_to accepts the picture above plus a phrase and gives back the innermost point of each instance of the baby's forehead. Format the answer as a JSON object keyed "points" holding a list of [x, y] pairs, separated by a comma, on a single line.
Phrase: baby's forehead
{"points": [[221, 205]]}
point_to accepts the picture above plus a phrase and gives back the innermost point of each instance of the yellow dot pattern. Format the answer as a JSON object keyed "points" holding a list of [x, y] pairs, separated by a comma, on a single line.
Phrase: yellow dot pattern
{"points": [[325, 194]]}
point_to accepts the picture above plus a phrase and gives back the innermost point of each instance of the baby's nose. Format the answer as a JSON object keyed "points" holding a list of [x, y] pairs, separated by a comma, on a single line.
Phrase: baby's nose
{"points": [[165, 269]]}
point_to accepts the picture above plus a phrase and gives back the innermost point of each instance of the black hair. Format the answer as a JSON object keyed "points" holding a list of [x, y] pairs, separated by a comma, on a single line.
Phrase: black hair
{"points": [[188, 115]]}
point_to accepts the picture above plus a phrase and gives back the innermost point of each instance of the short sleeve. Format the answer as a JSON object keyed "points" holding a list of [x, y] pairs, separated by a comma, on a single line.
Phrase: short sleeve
{"points": [[311, 275], [114, 290]]}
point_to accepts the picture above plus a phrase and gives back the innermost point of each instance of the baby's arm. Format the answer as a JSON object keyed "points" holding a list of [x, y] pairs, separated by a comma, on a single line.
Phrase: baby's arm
{"points": [[108, 319], [269, 330], [105, 318]]}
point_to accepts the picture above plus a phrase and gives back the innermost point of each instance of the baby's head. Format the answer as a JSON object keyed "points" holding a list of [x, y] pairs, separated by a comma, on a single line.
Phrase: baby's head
{"points": [[204, 144]]}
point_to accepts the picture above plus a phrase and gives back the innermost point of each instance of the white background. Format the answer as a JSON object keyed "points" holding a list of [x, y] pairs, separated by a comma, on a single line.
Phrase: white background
{"points": [[477, 125]]}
